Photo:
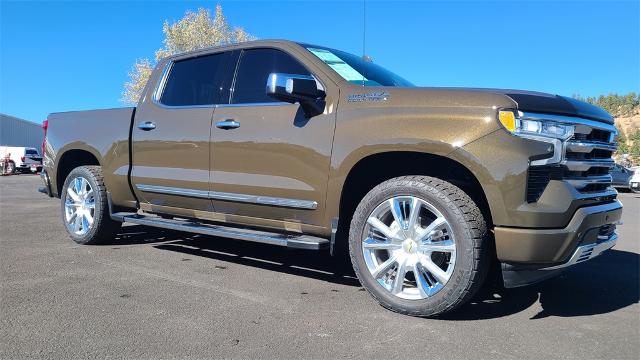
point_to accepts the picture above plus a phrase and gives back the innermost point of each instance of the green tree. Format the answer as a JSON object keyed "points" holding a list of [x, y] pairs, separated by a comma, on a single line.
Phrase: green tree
{"points": [[635, 143], [621, 141], [196, 30], [616, 105]]}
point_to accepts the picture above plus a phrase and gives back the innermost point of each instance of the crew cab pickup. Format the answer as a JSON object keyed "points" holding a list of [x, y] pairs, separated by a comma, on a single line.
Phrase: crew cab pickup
{"points": [[309, 147]]}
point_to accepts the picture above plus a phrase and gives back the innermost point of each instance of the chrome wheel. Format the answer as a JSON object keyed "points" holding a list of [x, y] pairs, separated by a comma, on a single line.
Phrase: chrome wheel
{"points": [[409, 247], [79, 206]]}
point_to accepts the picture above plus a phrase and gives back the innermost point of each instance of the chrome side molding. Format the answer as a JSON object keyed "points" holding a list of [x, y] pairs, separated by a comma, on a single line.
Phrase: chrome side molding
{"points": [[226, 196]]}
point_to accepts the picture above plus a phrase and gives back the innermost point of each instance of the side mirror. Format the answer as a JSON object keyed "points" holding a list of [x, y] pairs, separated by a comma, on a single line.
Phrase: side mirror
{"points": [[301, 89]]}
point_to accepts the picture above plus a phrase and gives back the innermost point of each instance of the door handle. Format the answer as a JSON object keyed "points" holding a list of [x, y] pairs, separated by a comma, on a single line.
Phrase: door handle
{"points": [[228, 124], [147, 125]]}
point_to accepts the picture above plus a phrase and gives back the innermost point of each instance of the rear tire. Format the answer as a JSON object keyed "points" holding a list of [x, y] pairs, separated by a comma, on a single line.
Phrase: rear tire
{"points": [[11, 168], [448, 230], [85, 210]]}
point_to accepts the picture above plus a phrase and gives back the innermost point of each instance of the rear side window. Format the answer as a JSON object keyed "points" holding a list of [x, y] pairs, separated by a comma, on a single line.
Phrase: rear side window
{"points": [[254, 69], [195, 81]]}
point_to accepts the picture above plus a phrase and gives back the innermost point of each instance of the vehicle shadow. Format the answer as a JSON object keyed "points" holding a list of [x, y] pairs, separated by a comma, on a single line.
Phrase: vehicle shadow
{"points": [[311, 264], [139, 234], [602, 285], [605, 284]]}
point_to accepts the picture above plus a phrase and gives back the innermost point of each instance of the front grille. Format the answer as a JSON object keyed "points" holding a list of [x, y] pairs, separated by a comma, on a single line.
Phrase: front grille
{"points": [[586, 163], [587, 158]]}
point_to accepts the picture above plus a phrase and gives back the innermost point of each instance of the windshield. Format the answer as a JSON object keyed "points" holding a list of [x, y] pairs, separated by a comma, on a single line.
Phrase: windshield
{"points": [[356, 70]]}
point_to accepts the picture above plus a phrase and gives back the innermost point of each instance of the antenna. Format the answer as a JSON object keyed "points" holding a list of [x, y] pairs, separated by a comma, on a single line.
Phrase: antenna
{"points": [[364, 34]]}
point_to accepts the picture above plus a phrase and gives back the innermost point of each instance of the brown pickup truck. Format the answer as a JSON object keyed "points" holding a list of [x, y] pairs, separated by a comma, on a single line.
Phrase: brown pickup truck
{"points": [[309, 147]]}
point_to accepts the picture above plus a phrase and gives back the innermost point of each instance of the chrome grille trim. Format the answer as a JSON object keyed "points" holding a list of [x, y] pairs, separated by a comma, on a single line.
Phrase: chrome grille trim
{"points": [[584, 165], [581, 183], [589, 146], [585, 157]]}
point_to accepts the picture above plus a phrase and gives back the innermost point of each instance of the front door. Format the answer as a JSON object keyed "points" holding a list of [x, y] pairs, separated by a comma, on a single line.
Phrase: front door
{"points": [[171, 133], [269, 160]]}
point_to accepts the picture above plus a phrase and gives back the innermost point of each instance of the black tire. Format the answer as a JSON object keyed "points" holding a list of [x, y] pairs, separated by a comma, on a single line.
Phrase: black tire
{"points": [[11, 168], [103, 229], [468, 225]]}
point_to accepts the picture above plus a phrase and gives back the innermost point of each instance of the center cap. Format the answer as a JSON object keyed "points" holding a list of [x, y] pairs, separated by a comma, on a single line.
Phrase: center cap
{"points": [[409, 246]]}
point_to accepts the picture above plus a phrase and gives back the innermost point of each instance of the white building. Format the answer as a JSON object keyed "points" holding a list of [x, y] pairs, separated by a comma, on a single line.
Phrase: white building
{"points": [[19, 132]]}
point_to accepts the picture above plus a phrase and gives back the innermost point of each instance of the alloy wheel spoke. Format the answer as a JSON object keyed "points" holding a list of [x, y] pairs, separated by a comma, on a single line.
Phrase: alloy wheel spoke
{"points": [[435, 270], [77, 223], [421, 281], [384, 267], [73, 194], [373, 244], [439, 246], [401, 272], [426, 232], [396, 206], [414, 211], [83, 186], [72, 215], [380, 226]]}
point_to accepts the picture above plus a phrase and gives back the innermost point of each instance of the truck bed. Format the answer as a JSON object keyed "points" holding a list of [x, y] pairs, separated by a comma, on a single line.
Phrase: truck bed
{"points": [[102, 133]]}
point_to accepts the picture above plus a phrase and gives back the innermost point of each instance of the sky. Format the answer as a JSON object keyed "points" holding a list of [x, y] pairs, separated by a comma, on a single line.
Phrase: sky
{"points": [[60, 56]]}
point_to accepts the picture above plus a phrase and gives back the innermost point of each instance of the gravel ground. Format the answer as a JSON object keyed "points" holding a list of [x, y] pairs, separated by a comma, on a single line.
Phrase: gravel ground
{"points": [[158, 294]]}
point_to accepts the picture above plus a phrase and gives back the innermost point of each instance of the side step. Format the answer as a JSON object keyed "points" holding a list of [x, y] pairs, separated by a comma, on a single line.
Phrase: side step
{"points": [[292, 241]]}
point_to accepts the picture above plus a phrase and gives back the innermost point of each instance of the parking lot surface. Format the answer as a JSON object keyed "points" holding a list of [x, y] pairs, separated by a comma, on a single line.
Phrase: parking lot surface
{"points": [[158, 294]]}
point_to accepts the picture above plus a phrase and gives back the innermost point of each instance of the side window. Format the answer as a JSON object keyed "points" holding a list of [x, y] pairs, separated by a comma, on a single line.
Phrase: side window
{"points": [[254, 69], [195, 81]]}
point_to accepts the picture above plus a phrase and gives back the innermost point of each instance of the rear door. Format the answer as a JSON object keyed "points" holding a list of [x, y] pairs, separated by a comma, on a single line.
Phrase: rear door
{"points": [[171, 131], [273, 163]]}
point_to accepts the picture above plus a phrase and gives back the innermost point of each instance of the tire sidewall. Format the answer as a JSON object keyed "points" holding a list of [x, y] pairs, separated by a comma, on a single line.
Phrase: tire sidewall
{"points": [[98, 210], [456, 285]]}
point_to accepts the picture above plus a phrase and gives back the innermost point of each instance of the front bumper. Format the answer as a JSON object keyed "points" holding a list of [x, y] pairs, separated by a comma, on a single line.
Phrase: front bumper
{"points": [[530, 255]]}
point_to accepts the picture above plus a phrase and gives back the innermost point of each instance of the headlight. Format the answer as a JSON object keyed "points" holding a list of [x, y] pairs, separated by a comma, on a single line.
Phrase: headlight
{"points": [[515, 124]]}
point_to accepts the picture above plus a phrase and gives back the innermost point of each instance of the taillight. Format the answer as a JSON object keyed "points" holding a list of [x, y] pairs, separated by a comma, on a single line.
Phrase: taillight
{"points": [[45, 126], [22, 158]]}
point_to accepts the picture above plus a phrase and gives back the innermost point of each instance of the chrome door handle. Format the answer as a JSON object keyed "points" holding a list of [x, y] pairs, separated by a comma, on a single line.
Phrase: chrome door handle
{"points": [[147, 125], [228, 124]]}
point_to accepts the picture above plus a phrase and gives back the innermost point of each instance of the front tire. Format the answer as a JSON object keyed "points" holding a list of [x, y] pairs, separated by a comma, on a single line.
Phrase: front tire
{"points": [[419, 245], [85, 210]]}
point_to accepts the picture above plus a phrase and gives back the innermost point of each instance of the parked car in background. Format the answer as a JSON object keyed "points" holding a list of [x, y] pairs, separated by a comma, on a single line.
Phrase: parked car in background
{"points": [[634, 182], [620, 176], [21, 159]]}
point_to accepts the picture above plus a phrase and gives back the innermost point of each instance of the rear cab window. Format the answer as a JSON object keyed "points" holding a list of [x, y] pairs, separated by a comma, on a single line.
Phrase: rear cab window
{"points": [[194, 81]]}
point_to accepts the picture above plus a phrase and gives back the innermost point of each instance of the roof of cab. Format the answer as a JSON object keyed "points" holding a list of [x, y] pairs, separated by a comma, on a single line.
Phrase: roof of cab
{"points": [[240, 45]]}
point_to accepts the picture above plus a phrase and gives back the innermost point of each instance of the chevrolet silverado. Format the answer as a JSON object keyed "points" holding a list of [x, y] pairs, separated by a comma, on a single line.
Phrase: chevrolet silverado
{"points": [[308, 147]]}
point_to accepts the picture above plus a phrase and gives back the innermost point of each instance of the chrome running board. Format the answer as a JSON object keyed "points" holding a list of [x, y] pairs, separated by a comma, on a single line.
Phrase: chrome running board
{"points": [[289, 240]]}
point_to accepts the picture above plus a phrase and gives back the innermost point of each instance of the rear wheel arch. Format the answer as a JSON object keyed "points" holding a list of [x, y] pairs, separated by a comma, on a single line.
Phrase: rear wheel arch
{"points": [[70, 160]]}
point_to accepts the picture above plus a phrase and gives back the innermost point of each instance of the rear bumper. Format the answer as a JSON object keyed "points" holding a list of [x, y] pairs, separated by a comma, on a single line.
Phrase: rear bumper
{"points": [[530, 255]]}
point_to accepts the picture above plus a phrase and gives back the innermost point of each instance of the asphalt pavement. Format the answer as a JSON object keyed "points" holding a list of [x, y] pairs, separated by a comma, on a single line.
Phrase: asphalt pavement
{"points": [[159, 294]]}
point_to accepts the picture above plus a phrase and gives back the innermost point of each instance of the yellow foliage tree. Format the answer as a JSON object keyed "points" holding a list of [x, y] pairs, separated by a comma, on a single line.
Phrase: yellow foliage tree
{"points": [[196, 30]]}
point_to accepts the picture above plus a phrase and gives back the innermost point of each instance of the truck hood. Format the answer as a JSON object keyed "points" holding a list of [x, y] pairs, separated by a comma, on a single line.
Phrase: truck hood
{"points": [[530, 101]]}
